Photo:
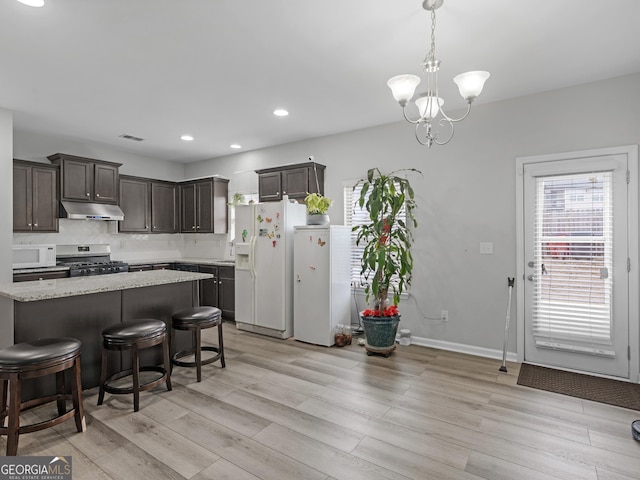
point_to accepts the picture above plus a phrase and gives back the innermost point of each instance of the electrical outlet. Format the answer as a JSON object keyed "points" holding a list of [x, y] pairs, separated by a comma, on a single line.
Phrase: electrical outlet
{"points": [[444, 315]]}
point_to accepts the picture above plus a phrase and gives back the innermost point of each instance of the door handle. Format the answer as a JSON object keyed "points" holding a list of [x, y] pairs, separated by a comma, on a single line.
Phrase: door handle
{"points": [[531, 264], [530, 278]]}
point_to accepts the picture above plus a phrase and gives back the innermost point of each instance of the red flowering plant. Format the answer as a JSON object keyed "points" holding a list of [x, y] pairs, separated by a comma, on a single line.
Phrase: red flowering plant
{"points": [[387, 238], [390, 311]]}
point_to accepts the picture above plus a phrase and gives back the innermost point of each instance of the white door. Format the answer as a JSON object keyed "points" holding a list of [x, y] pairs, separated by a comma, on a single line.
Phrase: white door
{"points": [[269, 261], [244, 274], [576, 255], [311, 271]]}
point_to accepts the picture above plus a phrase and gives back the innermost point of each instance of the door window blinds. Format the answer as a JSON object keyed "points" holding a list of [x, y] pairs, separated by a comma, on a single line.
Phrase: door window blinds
{"points": [[573, 228]]}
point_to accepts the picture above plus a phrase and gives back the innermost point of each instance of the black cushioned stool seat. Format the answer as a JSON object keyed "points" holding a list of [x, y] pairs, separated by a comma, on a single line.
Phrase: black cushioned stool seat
{"points": [[134, 335], [196, 319], [32, 360]]}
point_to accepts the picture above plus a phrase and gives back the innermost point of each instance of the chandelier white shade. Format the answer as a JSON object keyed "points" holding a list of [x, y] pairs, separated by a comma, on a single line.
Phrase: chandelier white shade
{"points": [[429, 106], [470, 84], [403, 87], [429, 103]]}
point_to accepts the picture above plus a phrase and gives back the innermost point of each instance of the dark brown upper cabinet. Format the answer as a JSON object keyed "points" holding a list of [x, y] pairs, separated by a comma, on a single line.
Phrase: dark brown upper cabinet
{"points": [[35, 197], [148, 205], [86, 179], [164, 207], [203, 206], [134, 202], [296, 181]]}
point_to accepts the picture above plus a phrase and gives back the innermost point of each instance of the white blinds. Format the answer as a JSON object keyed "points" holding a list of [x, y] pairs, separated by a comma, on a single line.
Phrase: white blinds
{"points": [[573, 261], [353, 215]]}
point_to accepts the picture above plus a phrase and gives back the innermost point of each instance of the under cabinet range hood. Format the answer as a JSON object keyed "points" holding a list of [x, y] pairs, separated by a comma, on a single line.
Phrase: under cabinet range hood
{"points": [[90, 211]]}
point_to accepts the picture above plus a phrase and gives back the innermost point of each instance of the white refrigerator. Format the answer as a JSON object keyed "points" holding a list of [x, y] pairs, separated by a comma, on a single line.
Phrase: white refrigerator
{"points": [[322, 280], [264, 266]]}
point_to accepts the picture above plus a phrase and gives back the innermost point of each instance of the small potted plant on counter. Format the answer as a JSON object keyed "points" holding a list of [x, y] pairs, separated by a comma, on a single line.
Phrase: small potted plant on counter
{"points": [[386, 261], [317, 206]]}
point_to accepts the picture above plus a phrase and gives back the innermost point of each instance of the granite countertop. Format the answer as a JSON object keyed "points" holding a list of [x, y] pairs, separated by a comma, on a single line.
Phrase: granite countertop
{"points": [[68, 287]]}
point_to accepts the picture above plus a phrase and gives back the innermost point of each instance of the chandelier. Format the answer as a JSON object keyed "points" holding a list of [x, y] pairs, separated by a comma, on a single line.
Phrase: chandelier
{"points": [[429, 103]]}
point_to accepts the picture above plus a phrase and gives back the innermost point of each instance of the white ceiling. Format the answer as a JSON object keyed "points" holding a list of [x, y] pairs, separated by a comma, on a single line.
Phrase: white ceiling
{"points": [[156, 69]]}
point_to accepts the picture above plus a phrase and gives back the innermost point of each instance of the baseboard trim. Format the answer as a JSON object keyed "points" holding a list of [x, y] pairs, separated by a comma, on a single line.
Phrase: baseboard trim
{"points": [[462, 348]]}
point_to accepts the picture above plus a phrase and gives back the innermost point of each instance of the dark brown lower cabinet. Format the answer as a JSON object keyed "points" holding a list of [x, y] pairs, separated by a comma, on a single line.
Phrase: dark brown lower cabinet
{"points": [[226, 292], [209, 287], [219, 291]]}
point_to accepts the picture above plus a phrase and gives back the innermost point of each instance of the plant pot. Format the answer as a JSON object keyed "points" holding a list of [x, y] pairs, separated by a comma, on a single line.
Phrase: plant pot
{"points": [[381, 334], [317, 219]]}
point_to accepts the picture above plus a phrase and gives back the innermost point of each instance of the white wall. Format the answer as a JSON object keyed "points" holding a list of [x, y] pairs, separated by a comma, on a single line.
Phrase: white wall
{"points": [[467, 193], [6, 224], [37, 147]]}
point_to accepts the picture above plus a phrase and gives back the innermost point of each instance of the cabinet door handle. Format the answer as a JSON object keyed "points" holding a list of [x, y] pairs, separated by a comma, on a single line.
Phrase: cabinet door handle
{"points": [[28, 224], [193, 228], [97, 194], [88, 194], [284, 193], [35, 224]]}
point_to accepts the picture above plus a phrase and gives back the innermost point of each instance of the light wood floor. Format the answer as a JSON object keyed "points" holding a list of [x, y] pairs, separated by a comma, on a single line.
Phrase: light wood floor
{"points": [[287, 410]]}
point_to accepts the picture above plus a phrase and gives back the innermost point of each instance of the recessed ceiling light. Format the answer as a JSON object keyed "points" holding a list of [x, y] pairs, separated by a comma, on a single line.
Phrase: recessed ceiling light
{"points": [[235, 145], [33, 3], [280, 112], [186, 138]]}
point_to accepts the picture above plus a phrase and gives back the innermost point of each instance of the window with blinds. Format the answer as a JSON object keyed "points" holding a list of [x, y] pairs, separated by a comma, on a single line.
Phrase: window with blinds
{"points": [[354, 215], [573, 230]]}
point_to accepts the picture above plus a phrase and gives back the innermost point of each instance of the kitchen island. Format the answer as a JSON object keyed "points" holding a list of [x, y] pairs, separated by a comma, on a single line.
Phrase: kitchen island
{"points": [[82, 307]]}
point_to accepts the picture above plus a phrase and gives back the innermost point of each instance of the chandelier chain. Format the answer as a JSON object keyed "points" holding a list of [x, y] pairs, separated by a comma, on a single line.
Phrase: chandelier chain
{"points": [[431, 55]]}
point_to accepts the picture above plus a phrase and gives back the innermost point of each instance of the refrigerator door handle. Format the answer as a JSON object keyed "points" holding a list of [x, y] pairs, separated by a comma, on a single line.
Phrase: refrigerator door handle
{"points": [[252, 256]]}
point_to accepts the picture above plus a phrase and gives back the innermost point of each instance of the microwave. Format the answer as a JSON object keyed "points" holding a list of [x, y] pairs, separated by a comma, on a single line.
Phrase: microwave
{"points": [[34, 256]]}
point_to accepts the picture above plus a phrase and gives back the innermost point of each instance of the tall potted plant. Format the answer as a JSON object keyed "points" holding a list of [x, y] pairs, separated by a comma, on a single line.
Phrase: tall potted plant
{"points": [[387, 263]]}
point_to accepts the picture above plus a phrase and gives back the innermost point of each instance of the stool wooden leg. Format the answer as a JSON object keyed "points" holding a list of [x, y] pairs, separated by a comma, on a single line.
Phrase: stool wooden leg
{"points": [[76, 395], [103, 375], [14, 415], [167, 362], [220, 344], [135, 360], [3, 401], [172, 348], [60, 389], [197, 339]]}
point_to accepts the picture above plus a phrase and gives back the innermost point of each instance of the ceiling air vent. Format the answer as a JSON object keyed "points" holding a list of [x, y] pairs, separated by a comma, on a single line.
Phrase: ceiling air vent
{"points": [[131, 137]]}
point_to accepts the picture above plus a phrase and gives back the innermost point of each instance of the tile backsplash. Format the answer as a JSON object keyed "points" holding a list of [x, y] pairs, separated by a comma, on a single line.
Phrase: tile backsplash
{"points": [[131, 246]]}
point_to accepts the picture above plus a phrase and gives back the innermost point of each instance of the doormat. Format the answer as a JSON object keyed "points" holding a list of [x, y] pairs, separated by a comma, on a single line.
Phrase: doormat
{"points": [[587, 387]]}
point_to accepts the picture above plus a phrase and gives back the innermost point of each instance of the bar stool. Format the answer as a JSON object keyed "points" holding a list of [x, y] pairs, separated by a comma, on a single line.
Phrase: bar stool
{"points": [[196, 319], [32, 360], [134, 335]]}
